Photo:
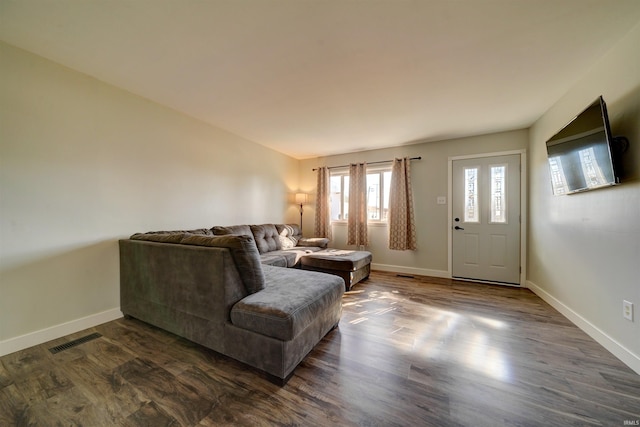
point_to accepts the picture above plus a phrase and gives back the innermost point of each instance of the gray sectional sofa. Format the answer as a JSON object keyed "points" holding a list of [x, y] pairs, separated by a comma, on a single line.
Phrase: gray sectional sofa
{"points": [[216, 287]]}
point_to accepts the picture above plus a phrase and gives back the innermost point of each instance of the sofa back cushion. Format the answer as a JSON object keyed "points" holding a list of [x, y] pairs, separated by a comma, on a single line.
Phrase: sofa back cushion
{"points": [[231, 229], [204, 231], [244, 252], [160, 237], [266, 237]]}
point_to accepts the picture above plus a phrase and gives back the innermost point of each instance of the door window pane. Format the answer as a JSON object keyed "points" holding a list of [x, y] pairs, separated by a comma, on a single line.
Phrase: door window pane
{"points": [[471, 208], [498, 195]]}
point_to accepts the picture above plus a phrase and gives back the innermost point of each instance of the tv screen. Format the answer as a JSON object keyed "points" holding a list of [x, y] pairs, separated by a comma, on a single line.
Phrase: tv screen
{"points": [[580, 155]]}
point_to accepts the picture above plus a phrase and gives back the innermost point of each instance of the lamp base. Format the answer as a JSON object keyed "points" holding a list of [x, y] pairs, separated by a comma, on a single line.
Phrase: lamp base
{"points": [[300, 218]]}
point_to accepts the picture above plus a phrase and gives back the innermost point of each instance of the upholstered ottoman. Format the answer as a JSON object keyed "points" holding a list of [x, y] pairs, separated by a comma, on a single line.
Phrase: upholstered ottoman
{"points": [[352, 266]]}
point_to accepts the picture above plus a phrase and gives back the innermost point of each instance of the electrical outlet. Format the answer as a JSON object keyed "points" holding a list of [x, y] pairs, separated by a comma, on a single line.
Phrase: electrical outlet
{"points": [[627, 310], [441, 200]]}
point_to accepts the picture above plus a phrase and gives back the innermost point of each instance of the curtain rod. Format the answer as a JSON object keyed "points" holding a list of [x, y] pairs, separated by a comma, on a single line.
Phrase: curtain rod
{"points": [[371, 163]]}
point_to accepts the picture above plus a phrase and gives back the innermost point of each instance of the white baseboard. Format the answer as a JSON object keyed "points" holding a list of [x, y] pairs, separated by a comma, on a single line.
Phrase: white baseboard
{"points": [[410, 270], [621, 352], [38, 337]]}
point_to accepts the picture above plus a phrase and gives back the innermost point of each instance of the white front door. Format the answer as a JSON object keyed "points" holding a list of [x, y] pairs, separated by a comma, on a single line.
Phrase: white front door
{"points": [[486, 219]]}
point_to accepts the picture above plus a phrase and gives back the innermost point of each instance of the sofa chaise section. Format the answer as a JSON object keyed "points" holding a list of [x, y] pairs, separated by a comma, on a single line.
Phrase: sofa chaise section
{"points": [[214, 291]]}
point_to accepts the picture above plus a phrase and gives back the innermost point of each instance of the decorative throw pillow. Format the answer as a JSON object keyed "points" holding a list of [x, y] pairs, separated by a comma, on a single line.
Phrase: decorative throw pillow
{"points": [[287, 238]]}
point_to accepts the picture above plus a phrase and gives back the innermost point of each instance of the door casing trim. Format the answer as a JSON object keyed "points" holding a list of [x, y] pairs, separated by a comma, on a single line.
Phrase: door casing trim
{"points": [[523, 208]]}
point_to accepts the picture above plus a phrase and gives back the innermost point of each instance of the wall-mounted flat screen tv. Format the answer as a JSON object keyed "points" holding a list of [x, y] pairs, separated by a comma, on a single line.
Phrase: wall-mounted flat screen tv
{"points": [[580, 155]]}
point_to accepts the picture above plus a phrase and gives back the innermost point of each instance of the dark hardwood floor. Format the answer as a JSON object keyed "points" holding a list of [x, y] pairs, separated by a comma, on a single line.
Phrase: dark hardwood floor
{"points": [[408, 352]]}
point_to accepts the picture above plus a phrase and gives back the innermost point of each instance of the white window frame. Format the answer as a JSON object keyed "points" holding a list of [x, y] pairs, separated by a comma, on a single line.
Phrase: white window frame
{"points": [[380, 170]]}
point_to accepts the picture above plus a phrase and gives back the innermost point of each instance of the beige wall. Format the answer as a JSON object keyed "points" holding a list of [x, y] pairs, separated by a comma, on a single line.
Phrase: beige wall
{"points": [[430, 180], [82, 164], [584, 249]]}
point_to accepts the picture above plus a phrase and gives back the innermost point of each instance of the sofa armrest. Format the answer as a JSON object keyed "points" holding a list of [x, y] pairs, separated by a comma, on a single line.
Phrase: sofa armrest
{"points": [[185, 289], [319, 242]]}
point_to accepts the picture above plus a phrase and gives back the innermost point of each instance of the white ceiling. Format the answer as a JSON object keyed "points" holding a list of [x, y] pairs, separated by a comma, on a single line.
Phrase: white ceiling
{"points": [[318, 77]]}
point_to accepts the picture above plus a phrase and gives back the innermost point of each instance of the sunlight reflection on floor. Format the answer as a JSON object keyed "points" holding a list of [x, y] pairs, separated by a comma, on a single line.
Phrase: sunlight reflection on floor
{"points": [[465, 338], [446, 335]]}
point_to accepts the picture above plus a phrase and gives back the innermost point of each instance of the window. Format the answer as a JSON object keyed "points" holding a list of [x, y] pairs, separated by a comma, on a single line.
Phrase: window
{"points": [[378, 185], [339, 197]]}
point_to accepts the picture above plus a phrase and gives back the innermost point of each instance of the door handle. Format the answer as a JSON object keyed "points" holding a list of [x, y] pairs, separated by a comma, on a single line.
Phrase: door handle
{"points": [[458, 228]]}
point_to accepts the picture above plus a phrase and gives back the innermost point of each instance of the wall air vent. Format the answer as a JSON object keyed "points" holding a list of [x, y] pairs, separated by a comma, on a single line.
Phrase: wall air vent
{"points": [[68, 345]]}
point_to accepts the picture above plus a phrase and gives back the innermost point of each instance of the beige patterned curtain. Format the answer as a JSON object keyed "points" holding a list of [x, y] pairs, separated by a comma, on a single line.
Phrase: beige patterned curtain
{"points": [[402, 227], [323, 204], [357, 220]]}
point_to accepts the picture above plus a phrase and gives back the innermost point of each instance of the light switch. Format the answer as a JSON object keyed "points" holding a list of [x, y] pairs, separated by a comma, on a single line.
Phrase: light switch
{"points": [[441, 200]]}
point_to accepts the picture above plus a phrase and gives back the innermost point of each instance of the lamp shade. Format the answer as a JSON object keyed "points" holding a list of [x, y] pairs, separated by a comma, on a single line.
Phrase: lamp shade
{"points": [[301, 198]]}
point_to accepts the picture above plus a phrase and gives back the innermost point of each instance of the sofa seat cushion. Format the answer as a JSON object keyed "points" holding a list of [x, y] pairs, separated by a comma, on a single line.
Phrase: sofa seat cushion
{"points": [[306, 249], [291, 300], [275, 258], [287, 257]]}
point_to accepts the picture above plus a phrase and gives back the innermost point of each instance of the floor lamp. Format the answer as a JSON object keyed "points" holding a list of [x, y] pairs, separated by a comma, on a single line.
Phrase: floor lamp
{"points": [[301, 199]]}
